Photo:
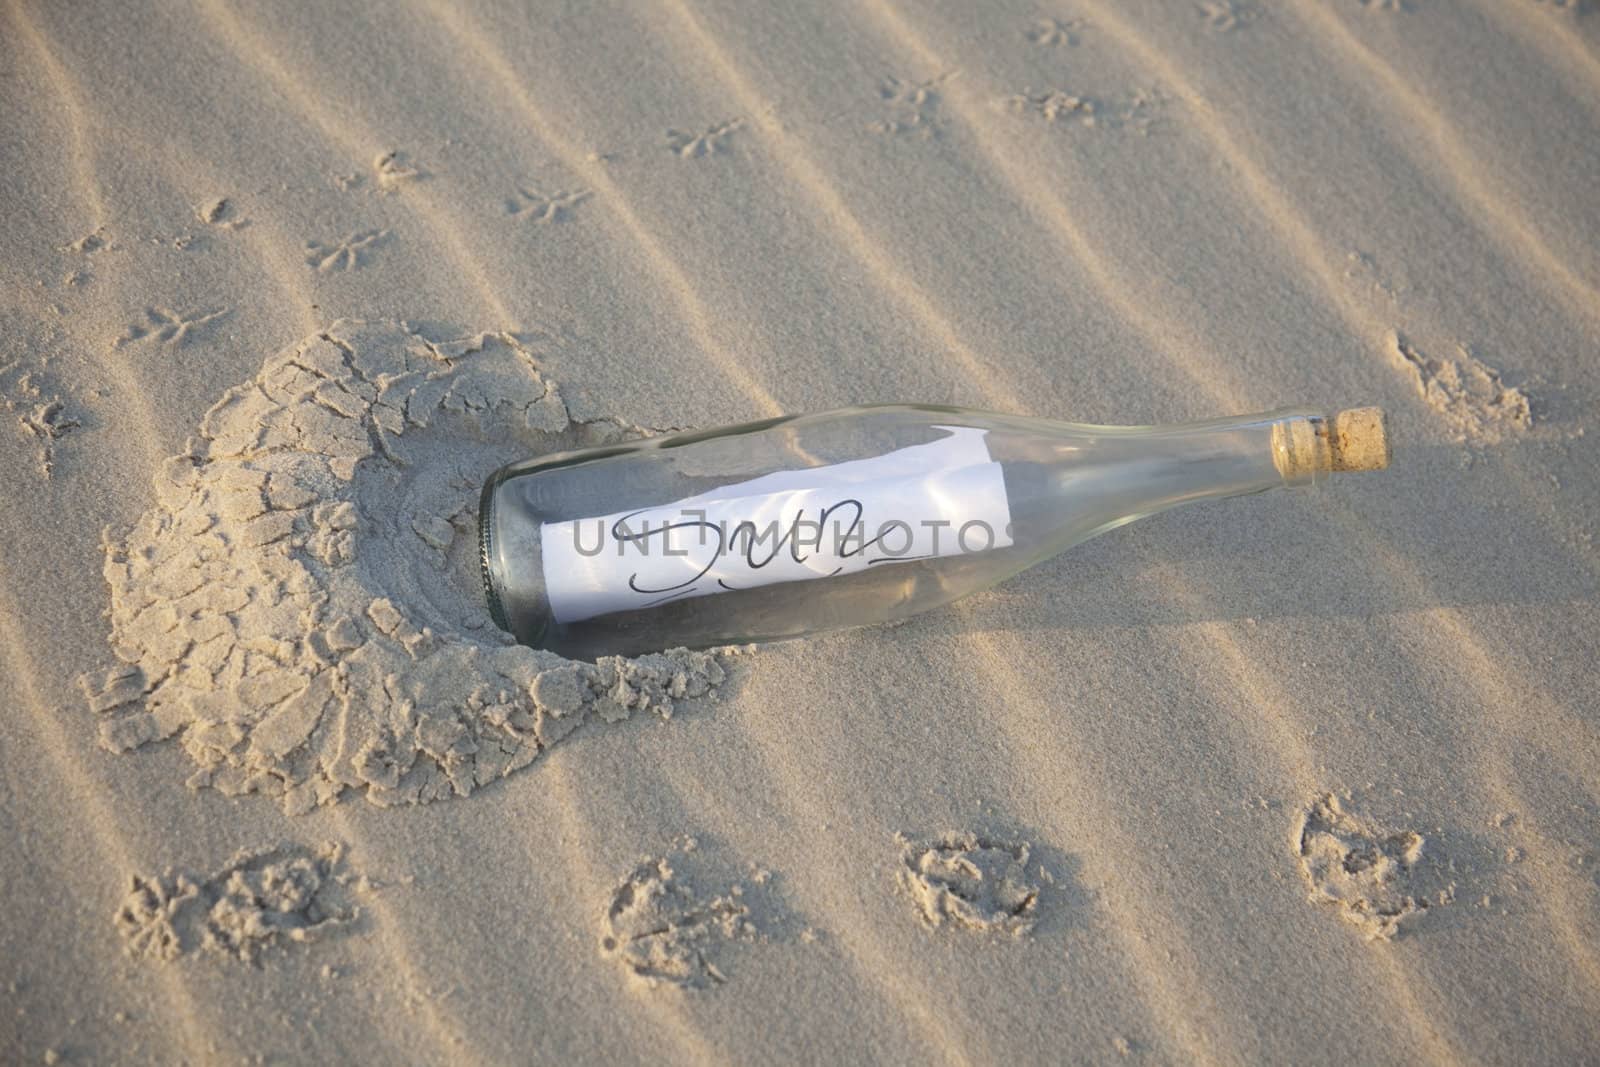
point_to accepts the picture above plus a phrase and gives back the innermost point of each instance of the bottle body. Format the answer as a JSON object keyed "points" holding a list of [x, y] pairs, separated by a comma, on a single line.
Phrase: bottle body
{"points": [[797, 525]]}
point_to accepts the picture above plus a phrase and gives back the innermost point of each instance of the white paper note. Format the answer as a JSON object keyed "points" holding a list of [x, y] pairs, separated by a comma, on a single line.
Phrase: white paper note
{"points": [[943, 498]]}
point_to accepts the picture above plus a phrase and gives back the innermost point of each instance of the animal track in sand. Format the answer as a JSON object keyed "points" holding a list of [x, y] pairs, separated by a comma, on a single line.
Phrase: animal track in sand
{"points": [[1386, 5], [88, 244], [661, 925], [343, 255], [1053, 32], [530, 203], [1373, 874], [913, 107], [1053, 105], [302, 607], [1363, 269], [1138, 110], [45, 422], [972, 881], [44, 419], [221, 212], [1466, 393], [707, 143], [394, 169], [260, 898], [168, 327], [1226, 15]]}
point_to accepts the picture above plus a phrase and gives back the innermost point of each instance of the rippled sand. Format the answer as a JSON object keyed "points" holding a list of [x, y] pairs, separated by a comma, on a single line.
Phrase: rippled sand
{"points": [[1297, 778]]}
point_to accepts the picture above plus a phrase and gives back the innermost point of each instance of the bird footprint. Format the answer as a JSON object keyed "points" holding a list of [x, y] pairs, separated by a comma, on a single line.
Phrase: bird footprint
{"points": [[707, 143], [545, 207], [343, 255], [169, 327]]}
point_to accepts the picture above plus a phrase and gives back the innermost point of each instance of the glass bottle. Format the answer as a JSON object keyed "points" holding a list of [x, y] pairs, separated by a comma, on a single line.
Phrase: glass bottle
{"points": [[781, 528]]}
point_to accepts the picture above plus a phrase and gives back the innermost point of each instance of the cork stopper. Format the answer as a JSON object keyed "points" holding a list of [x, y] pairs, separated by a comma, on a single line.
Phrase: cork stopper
{"points": [[1304, 447], [1358, 440]]}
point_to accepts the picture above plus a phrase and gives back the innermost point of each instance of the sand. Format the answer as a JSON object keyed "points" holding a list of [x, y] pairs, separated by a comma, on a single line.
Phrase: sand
{"points": [[664, 929], [303, 610], [260, 897], [971, 881], [1303, 777]]}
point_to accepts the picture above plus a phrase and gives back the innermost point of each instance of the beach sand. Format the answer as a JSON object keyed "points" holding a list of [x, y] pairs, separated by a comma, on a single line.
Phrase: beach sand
{"points": [[1302, 777]]}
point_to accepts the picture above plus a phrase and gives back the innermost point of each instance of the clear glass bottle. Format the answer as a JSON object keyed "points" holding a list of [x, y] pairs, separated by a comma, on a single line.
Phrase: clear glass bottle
{"points": [[787, 527]]}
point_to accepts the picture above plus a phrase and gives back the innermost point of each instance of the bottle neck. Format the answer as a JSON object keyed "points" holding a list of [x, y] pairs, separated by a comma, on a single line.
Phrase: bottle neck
{"points": [[1306, 449], [1227, 457], [1142, 473], [1097, 478]]}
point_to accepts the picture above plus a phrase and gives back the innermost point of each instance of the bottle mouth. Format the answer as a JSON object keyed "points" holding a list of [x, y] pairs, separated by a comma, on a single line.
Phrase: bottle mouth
{"points": [[1307, 447], [491, 591]]}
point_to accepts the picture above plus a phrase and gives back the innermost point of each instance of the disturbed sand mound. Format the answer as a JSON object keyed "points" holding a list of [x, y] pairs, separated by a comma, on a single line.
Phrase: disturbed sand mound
{"points": [[301, 607]]}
